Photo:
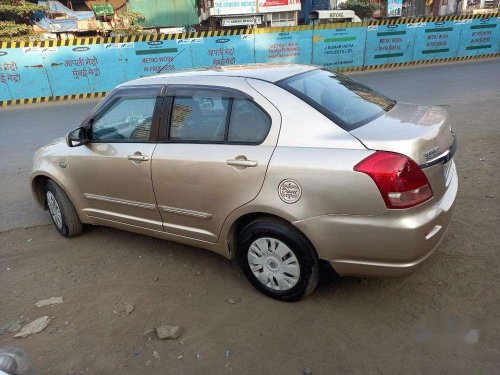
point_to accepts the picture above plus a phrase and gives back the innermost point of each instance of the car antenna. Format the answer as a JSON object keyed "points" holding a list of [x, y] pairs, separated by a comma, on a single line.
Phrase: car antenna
{"points": [[164, 66]]}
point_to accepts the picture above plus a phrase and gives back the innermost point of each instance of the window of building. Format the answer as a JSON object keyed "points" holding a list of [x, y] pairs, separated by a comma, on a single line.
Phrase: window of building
{"points": [[283, 19]]}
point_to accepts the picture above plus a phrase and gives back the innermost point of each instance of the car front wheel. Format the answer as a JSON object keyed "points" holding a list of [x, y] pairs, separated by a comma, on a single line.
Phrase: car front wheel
{"points": [[277, 259], [62, 211]]}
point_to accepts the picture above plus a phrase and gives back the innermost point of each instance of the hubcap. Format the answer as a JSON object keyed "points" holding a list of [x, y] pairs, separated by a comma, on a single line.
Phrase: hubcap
{"points": [[273, 263], [54, 209]]}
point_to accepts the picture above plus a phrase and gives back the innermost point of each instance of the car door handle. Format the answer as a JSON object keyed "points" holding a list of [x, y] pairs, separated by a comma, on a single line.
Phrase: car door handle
{"points": [[138, 157], [242, 163]]}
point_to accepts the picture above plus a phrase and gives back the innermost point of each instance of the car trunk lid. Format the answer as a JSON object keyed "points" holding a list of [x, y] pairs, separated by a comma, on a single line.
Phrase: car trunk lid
{"points": [[422, 133]]}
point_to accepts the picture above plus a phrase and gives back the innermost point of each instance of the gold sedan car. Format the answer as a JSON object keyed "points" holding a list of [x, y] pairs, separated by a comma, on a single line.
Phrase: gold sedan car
{"points": [[278, 166]]}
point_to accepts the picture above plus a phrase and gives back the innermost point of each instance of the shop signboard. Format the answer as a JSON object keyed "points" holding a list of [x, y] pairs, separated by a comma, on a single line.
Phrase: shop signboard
{"points": [[394, 8], [242, 21], [225, 7], [267, 6]]}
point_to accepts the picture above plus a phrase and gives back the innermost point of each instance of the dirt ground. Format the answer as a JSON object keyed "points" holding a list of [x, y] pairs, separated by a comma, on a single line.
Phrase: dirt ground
{"points": [[412, 325]]}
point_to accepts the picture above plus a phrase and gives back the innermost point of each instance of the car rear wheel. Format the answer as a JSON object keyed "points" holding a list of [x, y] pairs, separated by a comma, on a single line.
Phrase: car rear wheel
{"points": [[277, 259], [62, 211]]}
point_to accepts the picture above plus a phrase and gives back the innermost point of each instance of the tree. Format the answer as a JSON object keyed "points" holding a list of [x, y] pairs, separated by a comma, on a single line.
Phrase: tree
{"points": [[13, 32], [15, 19], [128, 23], [18, 11], [362, 8]]}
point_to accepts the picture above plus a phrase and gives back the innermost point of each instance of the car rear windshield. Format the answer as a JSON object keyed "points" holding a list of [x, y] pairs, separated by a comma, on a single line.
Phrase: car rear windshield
{"points": [[346, 102]]}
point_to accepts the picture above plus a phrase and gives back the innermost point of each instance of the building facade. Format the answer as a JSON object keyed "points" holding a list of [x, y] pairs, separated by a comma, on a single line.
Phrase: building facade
{"points": [[172, 13], [224, 14]]}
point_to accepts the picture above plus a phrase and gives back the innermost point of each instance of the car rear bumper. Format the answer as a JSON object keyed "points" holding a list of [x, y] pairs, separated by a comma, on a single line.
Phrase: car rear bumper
{"points": [[393, 244]]}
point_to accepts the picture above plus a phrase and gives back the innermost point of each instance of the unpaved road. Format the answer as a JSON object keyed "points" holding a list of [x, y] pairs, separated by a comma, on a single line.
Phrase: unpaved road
{"points": [[376, 326]]}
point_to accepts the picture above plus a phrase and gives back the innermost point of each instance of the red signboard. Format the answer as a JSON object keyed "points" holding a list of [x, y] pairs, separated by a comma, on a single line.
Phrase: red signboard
{"points": [[273, 3], [282, 4]]}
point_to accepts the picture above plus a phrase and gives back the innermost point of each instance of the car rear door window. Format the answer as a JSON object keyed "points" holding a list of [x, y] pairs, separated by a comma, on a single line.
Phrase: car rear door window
{"points": [[199, 117], [248, 123], [128, 119]]}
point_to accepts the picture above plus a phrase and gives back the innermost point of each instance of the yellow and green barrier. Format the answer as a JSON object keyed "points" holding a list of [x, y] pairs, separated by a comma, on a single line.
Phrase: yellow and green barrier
{"points": [[32, 72]]}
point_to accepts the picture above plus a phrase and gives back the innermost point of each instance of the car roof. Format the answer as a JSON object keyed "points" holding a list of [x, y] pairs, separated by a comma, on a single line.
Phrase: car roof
{"points": [[265, 72]]}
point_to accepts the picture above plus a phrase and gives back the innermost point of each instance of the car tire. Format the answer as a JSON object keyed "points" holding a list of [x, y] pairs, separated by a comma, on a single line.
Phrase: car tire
{"points": [[270, 251], [62, 211]]}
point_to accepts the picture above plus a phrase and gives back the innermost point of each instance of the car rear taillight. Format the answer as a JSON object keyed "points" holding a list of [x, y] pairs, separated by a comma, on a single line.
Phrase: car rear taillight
{"points": [[400, 180]]}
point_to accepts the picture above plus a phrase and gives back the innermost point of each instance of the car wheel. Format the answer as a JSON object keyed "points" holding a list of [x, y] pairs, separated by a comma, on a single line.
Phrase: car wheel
{"points": [[62, 211], [278, 259]]}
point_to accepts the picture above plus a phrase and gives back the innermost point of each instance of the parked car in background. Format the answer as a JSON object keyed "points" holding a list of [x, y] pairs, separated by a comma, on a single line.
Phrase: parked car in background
{"points": [[278, 166]]}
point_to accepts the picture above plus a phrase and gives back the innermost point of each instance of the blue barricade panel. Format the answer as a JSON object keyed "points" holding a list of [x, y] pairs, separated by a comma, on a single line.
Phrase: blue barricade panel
{"points": [[284, 47], [479, 36], [68, 70], [437, 40], [339, 48], [22, 73], [223, 50], [387, 44], [148, 58], [37, 70]]}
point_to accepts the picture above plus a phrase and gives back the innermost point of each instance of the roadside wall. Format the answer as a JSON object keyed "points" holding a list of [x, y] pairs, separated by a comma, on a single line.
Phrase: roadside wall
{"points": [[90, 67]]}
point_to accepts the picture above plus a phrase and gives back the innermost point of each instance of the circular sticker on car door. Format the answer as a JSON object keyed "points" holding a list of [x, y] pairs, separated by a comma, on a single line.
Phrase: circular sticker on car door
{"points": [[289, 191]]}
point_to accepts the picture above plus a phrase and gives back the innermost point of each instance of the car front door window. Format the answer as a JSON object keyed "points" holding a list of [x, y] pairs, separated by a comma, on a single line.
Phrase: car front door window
{"points": [[128, 119]]}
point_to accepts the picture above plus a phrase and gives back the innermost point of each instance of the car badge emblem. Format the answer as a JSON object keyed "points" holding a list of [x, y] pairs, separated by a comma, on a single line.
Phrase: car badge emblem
{"points": [[289, 191], [431, 154]]}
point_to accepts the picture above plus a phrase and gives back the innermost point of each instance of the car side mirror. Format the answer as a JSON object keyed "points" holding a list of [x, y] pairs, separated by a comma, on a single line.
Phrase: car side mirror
{"points": [[76, 137]]}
